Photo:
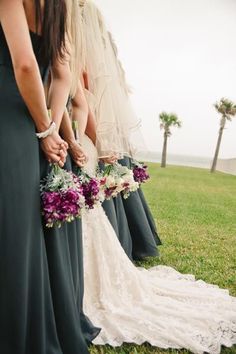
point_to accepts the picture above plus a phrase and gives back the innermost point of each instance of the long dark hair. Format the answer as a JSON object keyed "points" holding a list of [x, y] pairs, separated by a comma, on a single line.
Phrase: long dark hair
{"points": [[53, 21]]}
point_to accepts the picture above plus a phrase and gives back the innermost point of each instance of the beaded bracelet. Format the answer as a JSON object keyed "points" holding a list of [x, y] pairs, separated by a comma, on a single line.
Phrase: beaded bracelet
{"points": [[50, 130], [47, 132]]}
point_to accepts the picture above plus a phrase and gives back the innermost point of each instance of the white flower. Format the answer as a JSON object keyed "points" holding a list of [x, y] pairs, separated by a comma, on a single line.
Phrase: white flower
{"points": [[110, 181]]}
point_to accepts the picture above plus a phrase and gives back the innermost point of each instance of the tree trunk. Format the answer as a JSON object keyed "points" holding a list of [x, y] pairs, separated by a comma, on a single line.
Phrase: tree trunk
{"points": [[222, 126], [164, 151]]}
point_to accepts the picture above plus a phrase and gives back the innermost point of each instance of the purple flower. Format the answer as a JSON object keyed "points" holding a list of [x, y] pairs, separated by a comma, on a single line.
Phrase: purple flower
{"points": [[140, 173], [109, 192], [62, 197], [51, 198], [91, 189], [71, 195]]}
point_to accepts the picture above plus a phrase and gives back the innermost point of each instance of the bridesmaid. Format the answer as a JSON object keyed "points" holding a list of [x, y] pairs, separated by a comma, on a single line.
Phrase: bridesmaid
{"points": [[83, 107], [64, 246], [68, 241], [141, 223], [32, 35], [115, 212]]}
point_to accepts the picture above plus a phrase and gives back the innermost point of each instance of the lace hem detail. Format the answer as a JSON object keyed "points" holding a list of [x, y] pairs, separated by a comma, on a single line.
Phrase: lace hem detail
{"points": [[160, 306]]}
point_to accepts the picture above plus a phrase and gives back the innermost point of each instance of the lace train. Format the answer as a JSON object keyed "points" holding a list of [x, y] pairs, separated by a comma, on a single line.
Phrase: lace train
{"points": [[159, 306]]}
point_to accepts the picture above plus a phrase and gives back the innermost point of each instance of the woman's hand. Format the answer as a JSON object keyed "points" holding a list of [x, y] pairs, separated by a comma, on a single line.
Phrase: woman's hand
{"points": [[55, 148], [111, 160], [77, 153]]}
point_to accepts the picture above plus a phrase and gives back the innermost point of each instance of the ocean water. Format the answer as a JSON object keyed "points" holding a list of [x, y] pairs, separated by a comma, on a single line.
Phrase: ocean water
{"points": [[179, 160], [223, 165]]}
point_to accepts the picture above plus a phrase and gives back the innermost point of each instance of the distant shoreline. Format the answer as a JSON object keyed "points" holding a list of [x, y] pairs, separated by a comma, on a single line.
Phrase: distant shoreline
{"points": [[224, 165]]}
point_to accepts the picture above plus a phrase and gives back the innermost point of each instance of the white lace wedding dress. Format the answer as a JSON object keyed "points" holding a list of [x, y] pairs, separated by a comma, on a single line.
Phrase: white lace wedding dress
{"points": [[159, 306]]}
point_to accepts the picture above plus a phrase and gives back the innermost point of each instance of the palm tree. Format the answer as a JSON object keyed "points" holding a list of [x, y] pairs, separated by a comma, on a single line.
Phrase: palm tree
{"points": [[167, 121], [227, 109]]}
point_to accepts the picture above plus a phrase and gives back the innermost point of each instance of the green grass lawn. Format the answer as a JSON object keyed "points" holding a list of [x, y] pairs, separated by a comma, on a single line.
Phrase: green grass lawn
{"points": [[195, 212]]}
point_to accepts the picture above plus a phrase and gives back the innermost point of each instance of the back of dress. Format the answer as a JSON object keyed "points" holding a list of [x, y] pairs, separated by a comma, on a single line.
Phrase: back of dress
{"points": [[27, 322], [29, 255], [5, 57]]}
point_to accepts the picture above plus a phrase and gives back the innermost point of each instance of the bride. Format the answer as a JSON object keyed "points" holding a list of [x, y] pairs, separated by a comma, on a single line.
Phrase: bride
{"points": [[159, 306]]}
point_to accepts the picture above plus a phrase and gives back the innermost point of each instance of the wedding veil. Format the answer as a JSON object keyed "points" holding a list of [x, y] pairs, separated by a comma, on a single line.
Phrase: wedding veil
{"points": [[118, 128]]}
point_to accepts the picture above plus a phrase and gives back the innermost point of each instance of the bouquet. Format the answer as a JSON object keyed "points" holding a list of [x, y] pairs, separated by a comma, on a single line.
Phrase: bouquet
{"points": [[91, 189], [62, 197], [140, 172], [116, 179]]}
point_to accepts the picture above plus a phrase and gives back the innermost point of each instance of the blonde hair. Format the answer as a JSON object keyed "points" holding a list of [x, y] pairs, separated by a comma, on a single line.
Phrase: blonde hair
{"points": [[75, 43]]}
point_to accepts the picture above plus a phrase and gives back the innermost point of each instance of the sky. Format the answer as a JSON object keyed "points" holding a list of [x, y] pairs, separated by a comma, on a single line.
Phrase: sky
{"points": [[179, 56]]}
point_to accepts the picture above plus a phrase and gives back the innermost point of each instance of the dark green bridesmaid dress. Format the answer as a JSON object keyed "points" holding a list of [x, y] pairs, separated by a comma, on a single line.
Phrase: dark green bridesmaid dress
{"points": [[116, 214], [65, 260], [142, 226], [133, 222], [40, 301]]}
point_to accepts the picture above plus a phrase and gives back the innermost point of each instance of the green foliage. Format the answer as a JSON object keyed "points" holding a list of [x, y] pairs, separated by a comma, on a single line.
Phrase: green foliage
{"points": [[226, 108], [195, 213], [169, 120]]}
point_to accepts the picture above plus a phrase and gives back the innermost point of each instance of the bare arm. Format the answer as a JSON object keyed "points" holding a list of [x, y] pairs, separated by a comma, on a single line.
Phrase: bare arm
{"points": [[66, 129], [80, 109], [15, 27], [91, 133], [86, 120], [59, 89], [76, 151], [26, 70], [91, 127], [85, 80]]}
